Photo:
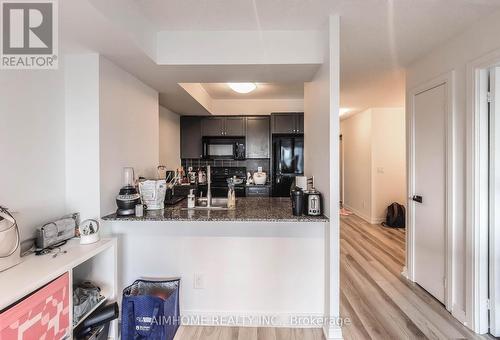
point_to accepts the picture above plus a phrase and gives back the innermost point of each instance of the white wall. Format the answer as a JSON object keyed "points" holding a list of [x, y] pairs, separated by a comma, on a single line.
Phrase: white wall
{"points": [[321, 157], [356, 141], [32, 178], [374, 161], [470, 45], [128, 130], [170, 139], [82, 134], [388, 164]]}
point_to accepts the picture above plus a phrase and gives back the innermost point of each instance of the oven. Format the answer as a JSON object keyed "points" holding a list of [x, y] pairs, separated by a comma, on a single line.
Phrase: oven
{"points": [[224, 148], [219, 186]]}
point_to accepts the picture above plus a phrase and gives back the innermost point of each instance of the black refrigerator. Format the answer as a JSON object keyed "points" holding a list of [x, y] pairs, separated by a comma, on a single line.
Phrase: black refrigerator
{"points": [[288, 162]]}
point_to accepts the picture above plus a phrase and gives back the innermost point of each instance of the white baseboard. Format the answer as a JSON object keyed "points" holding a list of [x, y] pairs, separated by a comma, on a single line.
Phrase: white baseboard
{"points": [[459, 314], [369, 219], [238, 319], [332, 332]]}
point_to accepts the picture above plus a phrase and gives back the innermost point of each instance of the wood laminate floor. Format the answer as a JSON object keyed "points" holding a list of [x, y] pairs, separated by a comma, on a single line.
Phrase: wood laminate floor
{"points": [[247, 333], [380, 303]]}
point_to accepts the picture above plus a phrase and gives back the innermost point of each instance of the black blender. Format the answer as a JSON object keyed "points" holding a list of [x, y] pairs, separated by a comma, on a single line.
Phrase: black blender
{"points": [[128, 197]]}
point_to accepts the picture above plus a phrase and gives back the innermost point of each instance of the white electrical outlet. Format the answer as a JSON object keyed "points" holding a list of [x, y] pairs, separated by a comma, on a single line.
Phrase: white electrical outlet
{"points": [[199, 281]]}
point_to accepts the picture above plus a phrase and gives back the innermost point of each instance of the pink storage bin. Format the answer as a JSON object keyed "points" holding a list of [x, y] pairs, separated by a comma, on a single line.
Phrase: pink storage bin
{"points": [[43, 315]]}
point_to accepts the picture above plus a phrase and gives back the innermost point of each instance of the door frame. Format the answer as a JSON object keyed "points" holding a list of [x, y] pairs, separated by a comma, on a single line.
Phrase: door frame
{"points": [[447, 79], [477, 244]]}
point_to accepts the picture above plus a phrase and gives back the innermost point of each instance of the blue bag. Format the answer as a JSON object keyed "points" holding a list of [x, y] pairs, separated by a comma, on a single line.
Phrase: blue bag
{"points": [[150, 310]]}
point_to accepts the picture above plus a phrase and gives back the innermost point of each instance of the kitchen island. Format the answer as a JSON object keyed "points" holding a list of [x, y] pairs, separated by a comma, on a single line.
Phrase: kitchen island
{"points": [[251, 209], [256, 265]]}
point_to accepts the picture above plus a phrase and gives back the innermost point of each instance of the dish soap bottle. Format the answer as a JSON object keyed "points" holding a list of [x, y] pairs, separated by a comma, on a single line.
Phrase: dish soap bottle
{"points": [[231, 195], [191, 199]]}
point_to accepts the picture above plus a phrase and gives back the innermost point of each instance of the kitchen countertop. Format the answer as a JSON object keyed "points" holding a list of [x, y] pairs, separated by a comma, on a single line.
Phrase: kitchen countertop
{"points": [[266, 209]]}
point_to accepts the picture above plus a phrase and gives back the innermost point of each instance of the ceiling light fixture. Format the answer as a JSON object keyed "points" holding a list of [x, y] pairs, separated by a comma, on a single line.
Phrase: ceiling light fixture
{"points": [[344, 110], [242, 87]]}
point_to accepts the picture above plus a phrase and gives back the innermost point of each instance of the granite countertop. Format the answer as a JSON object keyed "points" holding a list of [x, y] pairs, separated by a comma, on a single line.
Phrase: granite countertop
{"points": [[266, 209]]}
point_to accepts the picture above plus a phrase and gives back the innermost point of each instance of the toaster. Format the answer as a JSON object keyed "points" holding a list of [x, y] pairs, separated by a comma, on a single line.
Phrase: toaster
{"points": [[312, 200]]}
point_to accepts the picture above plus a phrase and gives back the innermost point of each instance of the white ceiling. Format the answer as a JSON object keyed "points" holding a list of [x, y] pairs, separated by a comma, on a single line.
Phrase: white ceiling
{"points": [[379, 38], [263, 91]]}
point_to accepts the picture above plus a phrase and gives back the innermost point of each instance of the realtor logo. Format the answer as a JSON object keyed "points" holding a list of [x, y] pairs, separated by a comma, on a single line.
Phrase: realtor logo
{"points": [[29, 34]]}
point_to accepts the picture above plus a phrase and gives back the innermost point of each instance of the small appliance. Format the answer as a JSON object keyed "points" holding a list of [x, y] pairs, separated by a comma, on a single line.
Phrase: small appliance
{"points": [[312, 199], [297, 196], [224, 148], [10, 249], [259, 177], [128, 197]]}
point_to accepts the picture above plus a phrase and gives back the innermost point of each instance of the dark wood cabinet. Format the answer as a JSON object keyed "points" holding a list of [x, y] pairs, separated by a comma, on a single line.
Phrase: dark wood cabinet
{"points": [[191, 146], [287, 123], [258, 191], [258, 137], [212, 126], [300, 123], [223, 126], [234, 126], [256, 129]]}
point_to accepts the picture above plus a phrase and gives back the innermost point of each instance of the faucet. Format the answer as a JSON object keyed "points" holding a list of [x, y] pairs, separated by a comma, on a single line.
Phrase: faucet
{"points": [[209, 184]]}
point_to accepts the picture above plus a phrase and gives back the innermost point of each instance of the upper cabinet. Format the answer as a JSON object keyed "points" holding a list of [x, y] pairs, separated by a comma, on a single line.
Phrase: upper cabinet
{"points": [[223, 126], [287, 123], [234, 126], [212, 126], [191, 146], [258, 137]]}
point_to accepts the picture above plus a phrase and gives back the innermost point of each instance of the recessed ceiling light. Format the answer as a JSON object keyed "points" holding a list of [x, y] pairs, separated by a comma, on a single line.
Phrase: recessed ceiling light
{"points": [[242, 87], [344, 110]]}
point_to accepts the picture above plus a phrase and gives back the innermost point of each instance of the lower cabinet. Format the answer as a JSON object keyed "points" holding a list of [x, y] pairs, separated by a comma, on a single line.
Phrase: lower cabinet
{"points": [[258, 191], [42, 315]]}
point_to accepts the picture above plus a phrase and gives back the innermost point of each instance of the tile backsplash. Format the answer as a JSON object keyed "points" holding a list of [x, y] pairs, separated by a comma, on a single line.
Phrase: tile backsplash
{"points": [[250, 164]]}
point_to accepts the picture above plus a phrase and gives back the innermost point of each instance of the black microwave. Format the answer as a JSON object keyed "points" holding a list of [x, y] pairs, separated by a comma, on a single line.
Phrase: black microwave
{"points": [[224, 148]]}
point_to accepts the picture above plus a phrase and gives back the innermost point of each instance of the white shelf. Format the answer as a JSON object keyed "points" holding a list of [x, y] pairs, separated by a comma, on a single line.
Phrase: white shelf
{"points": [[100, 303], [36, 271]]}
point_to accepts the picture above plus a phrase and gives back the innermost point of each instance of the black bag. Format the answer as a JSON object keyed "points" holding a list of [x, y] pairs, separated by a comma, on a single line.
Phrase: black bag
{"points": [[395, 216]]}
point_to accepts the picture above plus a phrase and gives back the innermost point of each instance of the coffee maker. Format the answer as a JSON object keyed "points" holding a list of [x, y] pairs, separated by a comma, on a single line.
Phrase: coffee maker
{"points": [[128, 197]]}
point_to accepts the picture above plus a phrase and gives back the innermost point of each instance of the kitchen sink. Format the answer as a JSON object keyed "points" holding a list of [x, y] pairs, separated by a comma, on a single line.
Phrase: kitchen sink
{"points": [[218, 203]]}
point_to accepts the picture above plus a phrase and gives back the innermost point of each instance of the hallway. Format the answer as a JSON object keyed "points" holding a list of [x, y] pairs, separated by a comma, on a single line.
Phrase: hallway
{"points": [[379, 301]]}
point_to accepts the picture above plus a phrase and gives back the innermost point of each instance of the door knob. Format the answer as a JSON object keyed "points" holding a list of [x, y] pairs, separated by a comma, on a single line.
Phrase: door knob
{"points": [[417, 198]]}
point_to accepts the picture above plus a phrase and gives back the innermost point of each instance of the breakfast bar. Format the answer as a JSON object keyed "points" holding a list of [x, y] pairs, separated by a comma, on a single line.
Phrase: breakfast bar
{"points": [[252, 262]]}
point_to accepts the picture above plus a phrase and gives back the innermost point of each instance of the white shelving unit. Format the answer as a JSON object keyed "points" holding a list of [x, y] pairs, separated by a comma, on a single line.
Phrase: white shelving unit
{"points": [[95, 262]]}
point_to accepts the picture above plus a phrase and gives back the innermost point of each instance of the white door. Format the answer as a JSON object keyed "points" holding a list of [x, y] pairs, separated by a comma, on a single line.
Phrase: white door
{"points": [[341, 171], [430, 189], [494, 208]]}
